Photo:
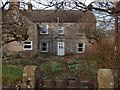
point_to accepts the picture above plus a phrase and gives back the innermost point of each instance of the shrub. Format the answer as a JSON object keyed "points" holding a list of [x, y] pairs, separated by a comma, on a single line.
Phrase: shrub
{"points": [[102, 54], [50, 69]]}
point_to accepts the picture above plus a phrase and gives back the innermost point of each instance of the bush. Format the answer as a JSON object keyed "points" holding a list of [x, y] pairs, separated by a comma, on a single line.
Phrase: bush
{"points": [[102, 54], [50, 69], [62, 70]]}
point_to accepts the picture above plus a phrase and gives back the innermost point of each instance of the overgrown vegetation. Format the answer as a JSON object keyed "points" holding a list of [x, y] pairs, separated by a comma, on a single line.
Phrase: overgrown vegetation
{"points": [[62, 70], [101, 55], [11, 74]]}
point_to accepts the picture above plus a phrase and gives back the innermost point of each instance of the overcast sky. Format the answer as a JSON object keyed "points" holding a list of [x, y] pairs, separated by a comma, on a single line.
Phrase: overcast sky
{"points": [[45, 1], [86, 1]]}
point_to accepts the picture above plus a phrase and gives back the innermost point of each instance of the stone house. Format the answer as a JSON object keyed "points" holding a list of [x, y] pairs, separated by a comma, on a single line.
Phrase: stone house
{"points": [[59, 33]]}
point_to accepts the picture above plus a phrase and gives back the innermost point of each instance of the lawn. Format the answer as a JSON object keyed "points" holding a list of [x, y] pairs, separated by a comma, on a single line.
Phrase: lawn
{"points": [[11, 74]]}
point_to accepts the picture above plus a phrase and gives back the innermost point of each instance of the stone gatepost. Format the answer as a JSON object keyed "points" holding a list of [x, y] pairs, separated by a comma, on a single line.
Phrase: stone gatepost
{"points": [[29, 76], [105, 78]]}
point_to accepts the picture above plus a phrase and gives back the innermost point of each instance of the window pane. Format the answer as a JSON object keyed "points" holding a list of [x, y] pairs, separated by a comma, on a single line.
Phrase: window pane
{"points": [[44, 49], [80, 45], [27, 46], [44, 44], [44, 29], [80, 49], [61, 47], [27, 42], [60, 31], [40, 28]]}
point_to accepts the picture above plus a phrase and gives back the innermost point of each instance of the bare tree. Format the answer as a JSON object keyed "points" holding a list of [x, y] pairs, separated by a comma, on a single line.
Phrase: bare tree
{"points": [[105, 12], [14, 29], [15, 34]]}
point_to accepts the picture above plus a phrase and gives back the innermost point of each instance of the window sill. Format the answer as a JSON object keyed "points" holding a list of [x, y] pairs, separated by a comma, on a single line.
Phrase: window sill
{"points": [[27, 49], [44, 51], [61, 34], [43, 33], [80, 34], [80, 52]]}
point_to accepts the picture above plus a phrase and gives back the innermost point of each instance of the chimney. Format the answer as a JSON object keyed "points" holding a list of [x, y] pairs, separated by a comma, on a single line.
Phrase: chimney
{"points": [[29, 6], [14, 5]]}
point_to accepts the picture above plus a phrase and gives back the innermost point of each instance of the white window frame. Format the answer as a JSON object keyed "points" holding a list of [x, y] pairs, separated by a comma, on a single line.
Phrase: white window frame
{"points": [[44, 26], [27, 44], [83, 48], [42, 46], [61, 28]]}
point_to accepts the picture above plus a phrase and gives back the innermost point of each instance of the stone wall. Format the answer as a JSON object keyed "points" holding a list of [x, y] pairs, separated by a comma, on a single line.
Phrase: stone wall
{"points": [[29, 72], [73, 33], [105, 79]]}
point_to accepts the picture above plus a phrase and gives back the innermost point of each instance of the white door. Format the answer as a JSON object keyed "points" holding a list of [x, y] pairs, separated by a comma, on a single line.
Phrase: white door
{"points": [[61, 48]]}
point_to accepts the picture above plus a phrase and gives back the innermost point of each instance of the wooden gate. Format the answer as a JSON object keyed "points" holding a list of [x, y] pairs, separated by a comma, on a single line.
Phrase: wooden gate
{"points": [[87, 84]]}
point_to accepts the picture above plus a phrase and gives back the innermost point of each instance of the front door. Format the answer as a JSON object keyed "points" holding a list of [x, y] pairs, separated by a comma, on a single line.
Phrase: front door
{"points": [[61, 48]]}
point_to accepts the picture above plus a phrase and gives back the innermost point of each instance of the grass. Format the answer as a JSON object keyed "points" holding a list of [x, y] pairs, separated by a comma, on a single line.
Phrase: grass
{"points": [[11, 74], [12, 70], [55, 66]]}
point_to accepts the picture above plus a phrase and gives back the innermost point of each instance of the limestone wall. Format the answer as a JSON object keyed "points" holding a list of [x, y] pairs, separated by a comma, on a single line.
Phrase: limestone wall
{"points": [[105, 79], [73, 33]]}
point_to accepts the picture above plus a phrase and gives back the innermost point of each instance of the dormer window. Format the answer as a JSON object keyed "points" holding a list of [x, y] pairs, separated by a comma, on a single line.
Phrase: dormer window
{"points": [[43, 29], [61, 30]]}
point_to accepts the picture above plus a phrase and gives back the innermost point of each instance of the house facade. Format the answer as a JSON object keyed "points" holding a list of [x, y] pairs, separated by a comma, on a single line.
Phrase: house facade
{"points": [[62, 32], [58, 32]]}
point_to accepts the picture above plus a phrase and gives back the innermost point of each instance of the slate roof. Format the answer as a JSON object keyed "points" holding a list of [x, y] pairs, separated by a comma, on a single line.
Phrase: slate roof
{"points": [[65, 16]]}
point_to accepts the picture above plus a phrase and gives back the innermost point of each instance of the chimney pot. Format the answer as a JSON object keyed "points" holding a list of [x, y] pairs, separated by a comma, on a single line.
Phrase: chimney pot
{"points": [[29, 6], [14, 5]]}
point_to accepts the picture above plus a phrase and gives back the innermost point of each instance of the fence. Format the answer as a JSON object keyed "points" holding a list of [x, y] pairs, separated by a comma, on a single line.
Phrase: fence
{"points": [[90, 84]]}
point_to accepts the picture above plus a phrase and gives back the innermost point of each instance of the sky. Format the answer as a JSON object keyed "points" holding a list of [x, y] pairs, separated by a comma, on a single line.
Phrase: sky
{"points": [[43, 1], [87, 1]]}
